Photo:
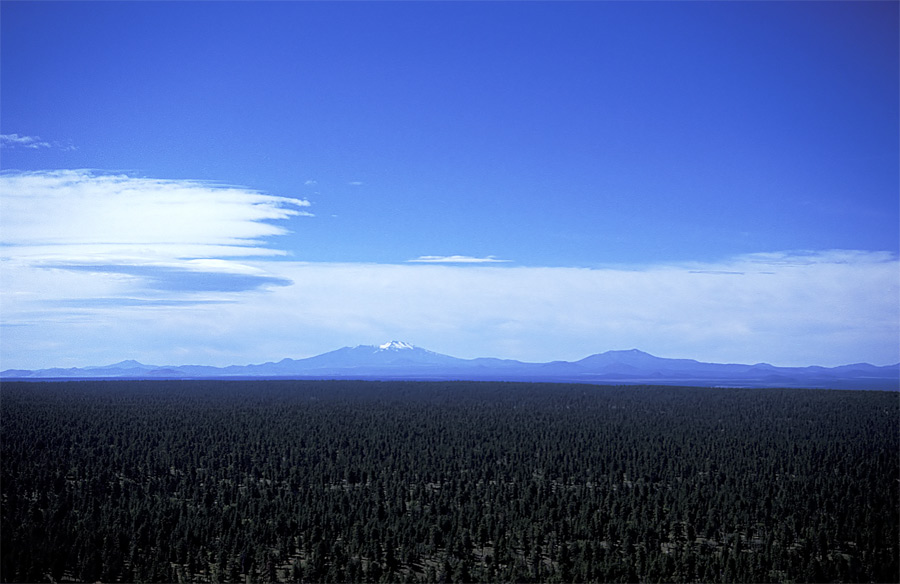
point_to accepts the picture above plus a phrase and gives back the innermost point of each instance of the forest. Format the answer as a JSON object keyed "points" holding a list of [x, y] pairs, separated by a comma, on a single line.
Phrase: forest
{"points": [[363, 481]]}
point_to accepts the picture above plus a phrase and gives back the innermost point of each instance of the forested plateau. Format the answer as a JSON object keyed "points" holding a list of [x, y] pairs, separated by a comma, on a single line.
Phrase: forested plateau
{"points": [[356, 481]]}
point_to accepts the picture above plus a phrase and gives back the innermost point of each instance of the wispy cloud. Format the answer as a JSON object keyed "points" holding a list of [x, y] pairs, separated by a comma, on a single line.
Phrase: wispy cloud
{"points": [[181, 278], [120, 215], [29, 142], [825, 308], [455, 259], [136, 235], [96, 268], [829, 307], [140, 302], [16, 141]]}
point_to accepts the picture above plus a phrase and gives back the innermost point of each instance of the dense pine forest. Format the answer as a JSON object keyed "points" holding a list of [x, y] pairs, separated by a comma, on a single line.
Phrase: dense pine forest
{"points": [[352, 481]]}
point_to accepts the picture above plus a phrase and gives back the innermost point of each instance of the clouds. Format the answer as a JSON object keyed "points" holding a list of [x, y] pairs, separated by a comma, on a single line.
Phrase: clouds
{"points": [[182, 278], [97, 268], [10, 141], [138, 234], [455, 259], [826, 308], [118, 212], [16, 141], [798, 308]]}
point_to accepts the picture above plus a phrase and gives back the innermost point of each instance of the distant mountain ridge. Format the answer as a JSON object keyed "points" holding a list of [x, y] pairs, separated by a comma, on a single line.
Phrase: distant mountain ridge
{"points": [[400, 360]]}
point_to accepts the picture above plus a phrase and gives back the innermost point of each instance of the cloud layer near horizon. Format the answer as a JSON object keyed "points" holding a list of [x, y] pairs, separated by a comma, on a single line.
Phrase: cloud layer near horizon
{"points": [[100, 268], [789, 309], [455, 259], [785, 310]]}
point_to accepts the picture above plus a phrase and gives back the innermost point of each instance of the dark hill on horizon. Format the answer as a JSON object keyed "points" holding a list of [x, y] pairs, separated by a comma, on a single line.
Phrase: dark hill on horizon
{"points": [[400, 360]]}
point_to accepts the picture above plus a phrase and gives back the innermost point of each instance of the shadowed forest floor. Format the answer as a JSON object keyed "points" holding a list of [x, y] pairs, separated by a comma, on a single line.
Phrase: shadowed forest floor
{"points": [[235, 481]]}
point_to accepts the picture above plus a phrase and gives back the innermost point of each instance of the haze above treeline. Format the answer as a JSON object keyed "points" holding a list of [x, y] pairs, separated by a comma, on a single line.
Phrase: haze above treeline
{"points": [[401, 360]]}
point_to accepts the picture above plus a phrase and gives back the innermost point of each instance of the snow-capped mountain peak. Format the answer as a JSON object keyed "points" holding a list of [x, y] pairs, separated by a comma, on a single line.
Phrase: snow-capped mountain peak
{"points": [[401, 360], [395, 346]]}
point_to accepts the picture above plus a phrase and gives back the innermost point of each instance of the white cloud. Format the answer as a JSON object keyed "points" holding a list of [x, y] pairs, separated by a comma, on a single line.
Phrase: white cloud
{"points": [[812, 309], [118, 212], [30, 142], [98, 268], [455, 259], [355, 183], [825, 308], [131, 237], [16, 141]]}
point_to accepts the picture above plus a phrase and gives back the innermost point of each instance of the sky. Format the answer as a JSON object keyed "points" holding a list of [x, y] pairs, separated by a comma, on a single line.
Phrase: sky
{"points": [[231, 183]]}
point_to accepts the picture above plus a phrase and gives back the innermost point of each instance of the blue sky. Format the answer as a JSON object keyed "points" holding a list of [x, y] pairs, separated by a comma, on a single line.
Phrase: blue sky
{"points": [[226, 182]]}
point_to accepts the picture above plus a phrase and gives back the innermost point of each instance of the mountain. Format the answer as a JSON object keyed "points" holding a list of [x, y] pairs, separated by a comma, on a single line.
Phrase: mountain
{"points": [[127, 364], [400, 360]]}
